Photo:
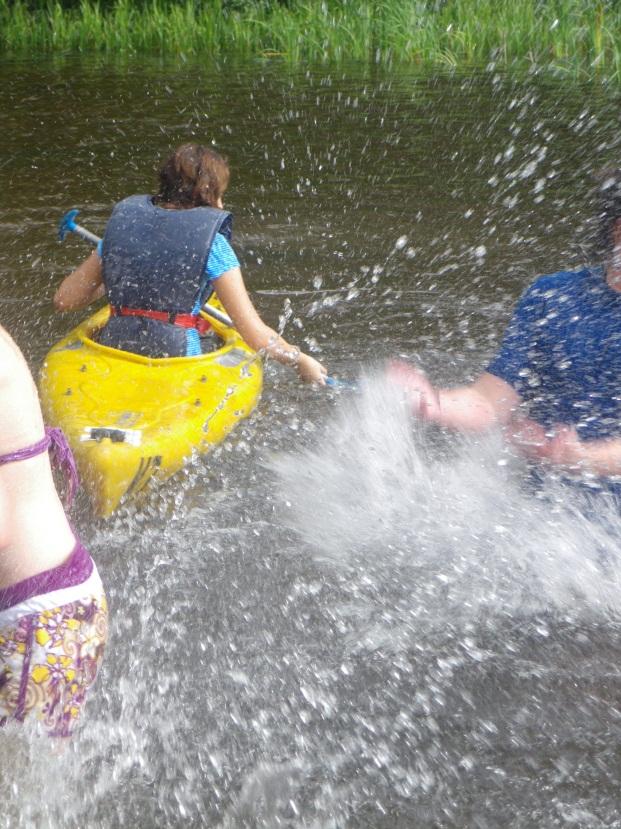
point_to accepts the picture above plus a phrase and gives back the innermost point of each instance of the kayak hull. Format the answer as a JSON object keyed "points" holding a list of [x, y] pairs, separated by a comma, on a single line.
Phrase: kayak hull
{"points": [[131, 419]]}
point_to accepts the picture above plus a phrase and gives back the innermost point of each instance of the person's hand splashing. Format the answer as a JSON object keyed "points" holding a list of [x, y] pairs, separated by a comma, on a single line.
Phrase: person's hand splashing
{"points": [[421, 396]]}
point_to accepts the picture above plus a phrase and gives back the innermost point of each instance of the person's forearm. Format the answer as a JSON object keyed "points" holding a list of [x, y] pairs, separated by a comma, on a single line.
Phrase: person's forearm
{"points": [[83, 286], [231, 291], [263, 339], [280, 350], [464, 409], [601, 457], [64, 302], [476, 407]]}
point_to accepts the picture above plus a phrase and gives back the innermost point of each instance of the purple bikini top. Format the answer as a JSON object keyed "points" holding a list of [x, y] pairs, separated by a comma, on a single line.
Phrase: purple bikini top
{"points": [[54, 441]]}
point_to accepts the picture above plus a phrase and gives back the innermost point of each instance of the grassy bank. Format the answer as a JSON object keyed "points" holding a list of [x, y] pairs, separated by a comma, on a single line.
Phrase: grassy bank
{"points": [[582, 37]]}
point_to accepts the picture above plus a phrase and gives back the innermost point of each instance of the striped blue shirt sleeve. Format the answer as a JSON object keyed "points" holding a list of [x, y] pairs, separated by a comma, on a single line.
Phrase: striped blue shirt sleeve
{"points": [[221, 258]]}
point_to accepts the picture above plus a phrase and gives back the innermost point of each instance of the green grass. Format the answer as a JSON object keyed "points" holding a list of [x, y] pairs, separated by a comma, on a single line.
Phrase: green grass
{"points": [[580, 37]]}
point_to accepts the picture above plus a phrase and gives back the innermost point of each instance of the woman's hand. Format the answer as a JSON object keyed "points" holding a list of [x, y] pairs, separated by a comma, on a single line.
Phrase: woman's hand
{"points": [[311, 370], [422, 397]]}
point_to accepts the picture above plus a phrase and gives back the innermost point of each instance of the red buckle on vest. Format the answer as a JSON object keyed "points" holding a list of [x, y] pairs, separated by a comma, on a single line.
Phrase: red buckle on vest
{"points": [[183, 320]]}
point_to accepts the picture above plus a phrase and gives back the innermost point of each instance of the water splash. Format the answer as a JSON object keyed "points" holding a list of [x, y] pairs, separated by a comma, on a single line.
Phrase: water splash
{"points": [[450, 523]]}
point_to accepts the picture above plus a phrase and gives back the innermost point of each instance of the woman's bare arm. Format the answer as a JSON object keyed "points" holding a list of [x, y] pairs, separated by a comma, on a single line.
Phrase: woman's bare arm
{"points": [[83, 286], [231, 291]]}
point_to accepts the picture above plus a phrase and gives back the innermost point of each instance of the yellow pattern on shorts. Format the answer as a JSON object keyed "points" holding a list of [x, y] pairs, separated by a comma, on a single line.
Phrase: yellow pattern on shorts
{"points": [[49, 660]]}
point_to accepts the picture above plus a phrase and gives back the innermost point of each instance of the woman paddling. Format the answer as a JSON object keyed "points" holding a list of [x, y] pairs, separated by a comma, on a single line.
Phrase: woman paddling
{"points": [[53, 615], [555, 384], [160, 259]]}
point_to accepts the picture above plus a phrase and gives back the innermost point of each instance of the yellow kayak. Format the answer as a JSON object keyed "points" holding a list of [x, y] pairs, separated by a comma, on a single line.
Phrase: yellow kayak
{"points": [[129, 418]]}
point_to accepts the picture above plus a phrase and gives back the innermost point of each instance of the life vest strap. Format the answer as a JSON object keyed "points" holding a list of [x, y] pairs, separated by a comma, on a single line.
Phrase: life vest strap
{"points": [[183, 320]]}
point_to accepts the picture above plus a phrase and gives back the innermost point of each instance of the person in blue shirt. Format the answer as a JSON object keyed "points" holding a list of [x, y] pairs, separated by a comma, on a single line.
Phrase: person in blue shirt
{"points": [[160, 259], [555, 385]]}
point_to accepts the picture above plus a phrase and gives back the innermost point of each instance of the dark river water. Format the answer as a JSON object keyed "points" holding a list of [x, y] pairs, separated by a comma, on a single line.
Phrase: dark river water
{"points": [[338, 619]]}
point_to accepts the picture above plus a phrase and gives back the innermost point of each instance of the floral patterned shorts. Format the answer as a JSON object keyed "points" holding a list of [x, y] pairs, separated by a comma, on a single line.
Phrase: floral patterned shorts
{"points": [[51, 647]]}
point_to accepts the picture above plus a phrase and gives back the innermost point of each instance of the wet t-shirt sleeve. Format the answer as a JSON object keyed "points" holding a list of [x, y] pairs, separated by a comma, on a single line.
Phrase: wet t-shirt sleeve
{"points": [[221, 258], [519, 358]]}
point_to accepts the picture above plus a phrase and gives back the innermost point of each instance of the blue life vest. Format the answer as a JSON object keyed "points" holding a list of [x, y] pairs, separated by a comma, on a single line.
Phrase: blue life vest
{"points": [[154, 259]]}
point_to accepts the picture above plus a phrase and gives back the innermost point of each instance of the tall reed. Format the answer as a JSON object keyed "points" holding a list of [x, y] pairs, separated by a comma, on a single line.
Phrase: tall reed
{"points": [[582, 37]]}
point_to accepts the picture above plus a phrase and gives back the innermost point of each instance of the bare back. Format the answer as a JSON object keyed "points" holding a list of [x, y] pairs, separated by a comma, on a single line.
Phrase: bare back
{"points": [[34, 532]]}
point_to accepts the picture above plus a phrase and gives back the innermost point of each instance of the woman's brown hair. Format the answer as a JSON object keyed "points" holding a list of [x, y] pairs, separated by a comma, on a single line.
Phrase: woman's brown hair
{"points": [[193, 176]]}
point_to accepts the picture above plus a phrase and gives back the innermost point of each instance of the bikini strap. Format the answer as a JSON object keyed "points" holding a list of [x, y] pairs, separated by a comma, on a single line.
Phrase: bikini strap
{"points": [[55, 442]]}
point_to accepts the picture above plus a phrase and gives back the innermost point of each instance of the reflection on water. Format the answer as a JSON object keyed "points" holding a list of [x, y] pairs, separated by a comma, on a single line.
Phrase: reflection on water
{"points": [[337, 619]]}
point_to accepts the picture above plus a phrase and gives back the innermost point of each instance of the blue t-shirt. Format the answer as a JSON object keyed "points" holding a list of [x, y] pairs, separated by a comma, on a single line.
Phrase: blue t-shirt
{"points": [[220, 260], [562, 353]]}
